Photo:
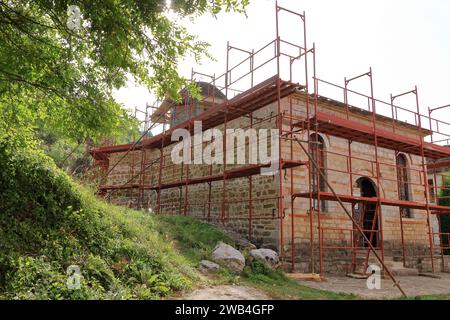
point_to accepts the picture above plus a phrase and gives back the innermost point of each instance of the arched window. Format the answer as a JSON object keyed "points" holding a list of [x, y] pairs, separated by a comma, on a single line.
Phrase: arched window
{"points": [[317, 151], [403, 183]]}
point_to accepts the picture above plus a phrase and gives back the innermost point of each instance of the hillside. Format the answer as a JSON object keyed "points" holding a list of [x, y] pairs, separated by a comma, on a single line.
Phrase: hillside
{"points": [[48, 222]]}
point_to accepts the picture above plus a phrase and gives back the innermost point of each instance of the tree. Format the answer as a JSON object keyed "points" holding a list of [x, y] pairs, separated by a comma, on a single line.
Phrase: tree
{"points": [[61, 74]]}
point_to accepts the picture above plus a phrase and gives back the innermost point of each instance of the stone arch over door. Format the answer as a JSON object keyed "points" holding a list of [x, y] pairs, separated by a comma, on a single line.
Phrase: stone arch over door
{"points": [[363, 173]]}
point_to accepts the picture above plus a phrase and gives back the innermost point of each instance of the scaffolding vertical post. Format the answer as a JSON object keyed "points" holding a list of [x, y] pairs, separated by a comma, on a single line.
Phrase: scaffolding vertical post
{"points": [[291, 128], [425, 178], [143, 160], [142, 178], [250, 192], [346, 97], [350, 170], [316, 146], [308, 138], [161, 164], [393, 114], [379, 216], [435, 192], [224, 142], [279, 127], [400, 211], [188, 99], [250, 178], [224, 184]]}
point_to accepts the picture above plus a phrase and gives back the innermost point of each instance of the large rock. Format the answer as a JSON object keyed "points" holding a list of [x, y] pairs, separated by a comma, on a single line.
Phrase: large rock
{"points": [[208, 266], [229, 257], [268, 256]]}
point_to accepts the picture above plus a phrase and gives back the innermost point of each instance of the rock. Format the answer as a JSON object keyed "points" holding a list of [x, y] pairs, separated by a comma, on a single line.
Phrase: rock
{"points": [[244, 244], [229, 257], [207, 266], [268, 256]]}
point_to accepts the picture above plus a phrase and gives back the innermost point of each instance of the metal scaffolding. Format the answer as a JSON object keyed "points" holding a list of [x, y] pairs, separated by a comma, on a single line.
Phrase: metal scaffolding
{"points": [[244, 100]]}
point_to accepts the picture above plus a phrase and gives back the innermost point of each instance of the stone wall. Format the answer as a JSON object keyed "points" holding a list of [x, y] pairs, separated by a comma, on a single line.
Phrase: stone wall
{"points": [[204, 200]]}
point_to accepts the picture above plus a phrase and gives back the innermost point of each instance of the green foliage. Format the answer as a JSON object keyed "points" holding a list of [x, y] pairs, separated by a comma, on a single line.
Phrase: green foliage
{"points": [[259, 270], [47, 223], [197, 239], [64, 77], [64, 152]]}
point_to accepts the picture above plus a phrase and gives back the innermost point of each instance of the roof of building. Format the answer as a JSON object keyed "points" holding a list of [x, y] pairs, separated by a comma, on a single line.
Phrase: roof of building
{"points": [[206, 90]]}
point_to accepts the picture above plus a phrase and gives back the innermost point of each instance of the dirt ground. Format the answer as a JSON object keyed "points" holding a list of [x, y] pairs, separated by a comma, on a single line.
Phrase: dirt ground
{"points": [[227, 292], [412, 285]]}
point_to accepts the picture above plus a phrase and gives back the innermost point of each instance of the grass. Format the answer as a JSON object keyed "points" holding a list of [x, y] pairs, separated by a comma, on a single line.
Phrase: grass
{"points": [[445, 296], [436, 297], [196, 240]]}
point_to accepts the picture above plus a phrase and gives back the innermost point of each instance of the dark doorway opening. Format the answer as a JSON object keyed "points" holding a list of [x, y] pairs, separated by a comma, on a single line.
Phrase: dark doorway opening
{"points": [[367, 213]]}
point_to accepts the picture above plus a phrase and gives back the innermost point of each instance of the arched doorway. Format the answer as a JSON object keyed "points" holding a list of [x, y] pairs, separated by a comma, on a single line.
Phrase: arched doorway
{"points": [[366, 213]]}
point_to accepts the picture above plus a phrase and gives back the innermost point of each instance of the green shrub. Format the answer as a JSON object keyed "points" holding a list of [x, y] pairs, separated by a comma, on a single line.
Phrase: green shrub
{"points": [[259, 271], [48, 222]]}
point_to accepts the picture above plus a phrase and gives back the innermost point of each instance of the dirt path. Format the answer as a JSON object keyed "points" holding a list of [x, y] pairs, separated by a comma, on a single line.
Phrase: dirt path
{"points": [[227, 292]]}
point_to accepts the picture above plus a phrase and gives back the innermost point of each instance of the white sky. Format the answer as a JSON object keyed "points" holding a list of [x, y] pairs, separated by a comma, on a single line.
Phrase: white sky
{"points": [[406, 42]]}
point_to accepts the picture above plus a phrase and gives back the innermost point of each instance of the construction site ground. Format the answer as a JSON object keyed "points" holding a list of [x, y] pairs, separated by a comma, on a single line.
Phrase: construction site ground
{"points": [[412, 285]]}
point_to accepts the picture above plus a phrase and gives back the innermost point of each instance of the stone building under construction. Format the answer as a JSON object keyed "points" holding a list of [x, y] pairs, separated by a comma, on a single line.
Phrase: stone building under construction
{"points": [[351, 181]]}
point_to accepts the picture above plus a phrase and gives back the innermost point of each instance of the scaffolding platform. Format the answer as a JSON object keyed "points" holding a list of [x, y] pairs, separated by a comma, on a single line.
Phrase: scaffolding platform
{"points": [[242, 171], [244, 103], [328, 196], [356, 131]]}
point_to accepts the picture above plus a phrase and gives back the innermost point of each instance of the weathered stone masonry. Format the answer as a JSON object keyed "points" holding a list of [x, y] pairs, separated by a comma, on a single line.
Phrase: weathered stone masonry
{"points": [[266, 223]]}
